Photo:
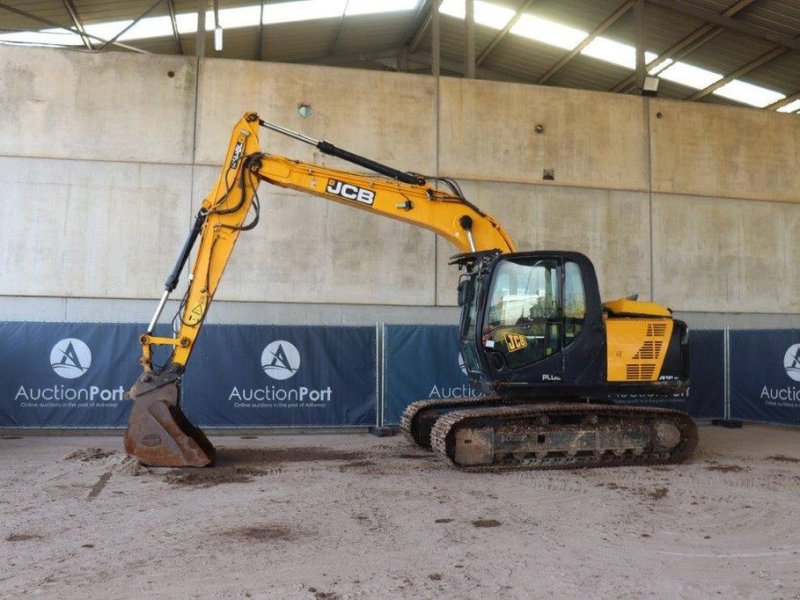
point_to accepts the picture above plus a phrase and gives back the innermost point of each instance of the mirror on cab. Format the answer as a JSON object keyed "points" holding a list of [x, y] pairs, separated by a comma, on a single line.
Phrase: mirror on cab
{"points": [[465, 290]]}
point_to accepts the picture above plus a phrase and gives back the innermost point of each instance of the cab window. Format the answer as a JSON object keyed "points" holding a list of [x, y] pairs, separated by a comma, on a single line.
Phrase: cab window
{"points": [[468, 324], [524, 314], [574, 302]]}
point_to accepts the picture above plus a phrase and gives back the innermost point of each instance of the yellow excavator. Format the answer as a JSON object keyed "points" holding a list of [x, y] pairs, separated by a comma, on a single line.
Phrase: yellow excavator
{"points": [[534, 334]]}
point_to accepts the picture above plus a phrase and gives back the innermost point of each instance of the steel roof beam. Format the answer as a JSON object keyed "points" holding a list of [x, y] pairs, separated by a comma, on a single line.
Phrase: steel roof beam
{"points": [[455, 66], [349, 59], [423, 15], [73, 13], [683, 48], [751, 66], [709, 16], [135, 21], [176, 36], [503, 33], [419, 33], [28, 15], [698, 38], [338, 29], [781, 103], [618, 14]]}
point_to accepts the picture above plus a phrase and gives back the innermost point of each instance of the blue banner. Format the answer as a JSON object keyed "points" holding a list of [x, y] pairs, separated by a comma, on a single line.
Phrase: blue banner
{"points": [[706, 396], [66, 374], [765, 376], [282, 376], [423, 362]]}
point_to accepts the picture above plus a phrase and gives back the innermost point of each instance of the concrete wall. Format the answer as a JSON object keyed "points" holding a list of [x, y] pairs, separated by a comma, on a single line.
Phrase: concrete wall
{"points": [[105, 158]]}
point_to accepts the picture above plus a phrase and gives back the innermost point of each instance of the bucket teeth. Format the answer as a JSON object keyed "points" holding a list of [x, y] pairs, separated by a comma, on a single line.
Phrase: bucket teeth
{"points": [[159, 434]]}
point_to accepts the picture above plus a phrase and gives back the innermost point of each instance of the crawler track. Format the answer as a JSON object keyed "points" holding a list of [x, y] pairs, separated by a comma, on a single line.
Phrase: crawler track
{"points": [[561, 436], [418, 418]]}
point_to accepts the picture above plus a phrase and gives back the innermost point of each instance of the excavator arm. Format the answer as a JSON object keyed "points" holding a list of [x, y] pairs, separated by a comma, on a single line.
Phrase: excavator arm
{"points": [[158, 433]]}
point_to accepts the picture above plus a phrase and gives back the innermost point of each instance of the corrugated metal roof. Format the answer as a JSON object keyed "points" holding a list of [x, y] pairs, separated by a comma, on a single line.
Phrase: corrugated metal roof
{"points": [[589, 73], [778, 15], [523, 58], [369, 41]]}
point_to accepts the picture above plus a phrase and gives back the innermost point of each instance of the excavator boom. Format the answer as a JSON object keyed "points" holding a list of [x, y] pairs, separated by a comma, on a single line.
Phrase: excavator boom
{"points": [[158, 432]]}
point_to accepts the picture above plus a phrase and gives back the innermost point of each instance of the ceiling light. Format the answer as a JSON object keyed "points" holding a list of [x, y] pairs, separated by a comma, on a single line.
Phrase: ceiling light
{"points": [[302, 10], [368, 7], [690, 76], [548, 32], [791, 107], [747, 93], [486, 13]]}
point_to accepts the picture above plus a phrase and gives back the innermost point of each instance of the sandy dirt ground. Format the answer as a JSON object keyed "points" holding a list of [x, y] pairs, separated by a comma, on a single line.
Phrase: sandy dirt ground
{"points": [[354, 516]]}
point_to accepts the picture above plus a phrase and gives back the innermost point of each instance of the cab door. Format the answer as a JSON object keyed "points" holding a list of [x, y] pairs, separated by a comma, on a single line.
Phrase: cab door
{"points": [[523, 322], [541, 320]]}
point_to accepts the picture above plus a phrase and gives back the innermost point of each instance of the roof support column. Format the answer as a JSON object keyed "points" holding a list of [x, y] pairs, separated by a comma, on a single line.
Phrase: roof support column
{"points": [[260, 52], [175, 35], [469, 42], [638, 24], [436, 44], [200, 39]]}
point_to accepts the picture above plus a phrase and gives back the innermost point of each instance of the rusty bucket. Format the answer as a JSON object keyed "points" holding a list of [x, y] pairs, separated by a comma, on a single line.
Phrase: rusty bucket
{"points": [[158, 433]]}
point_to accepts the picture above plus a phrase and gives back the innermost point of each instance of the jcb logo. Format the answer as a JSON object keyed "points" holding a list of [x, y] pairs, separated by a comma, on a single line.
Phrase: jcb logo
{"points": [[350, 191], [515, 342]]}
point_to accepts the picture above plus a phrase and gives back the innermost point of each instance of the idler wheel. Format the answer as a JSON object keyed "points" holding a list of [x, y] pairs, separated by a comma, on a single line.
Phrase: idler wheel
{"points": [[666, 435]]}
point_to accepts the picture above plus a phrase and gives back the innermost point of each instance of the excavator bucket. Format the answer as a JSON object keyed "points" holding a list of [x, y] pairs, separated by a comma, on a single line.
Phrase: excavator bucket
{"points": [[159, 434]]}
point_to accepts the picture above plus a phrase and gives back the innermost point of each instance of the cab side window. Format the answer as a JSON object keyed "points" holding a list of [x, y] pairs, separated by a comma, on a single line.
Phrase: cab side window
{"points": [[574, 302]]}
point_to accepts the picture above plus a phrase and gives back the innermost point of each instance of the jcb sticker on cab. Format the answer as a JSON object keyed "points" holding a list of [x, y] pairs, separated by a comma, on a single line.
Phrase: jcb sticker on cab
{"points": [[515, 342]]}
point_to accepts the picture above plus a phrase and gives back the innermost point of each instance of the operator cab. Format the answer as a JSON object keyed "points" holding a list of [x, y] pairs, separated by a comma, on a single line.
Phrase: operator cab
{"points": [[531, 319]]}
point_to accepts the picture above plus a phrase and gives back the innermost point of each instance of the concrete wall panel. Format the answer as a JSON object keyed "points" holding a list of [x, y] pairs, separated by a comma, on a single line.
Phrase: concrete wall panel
{"points": [[115, 106], [97, 183], [93, 229], [384, 116], [611, 227], [306, 249], [590, 139], [728, 152], [717, 255]]}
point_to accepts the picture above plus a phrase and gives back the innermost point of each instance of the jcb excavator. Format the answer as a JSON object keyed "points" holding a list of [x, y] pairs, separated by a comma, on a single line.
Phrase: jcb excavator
{"points": [[534, 334]]}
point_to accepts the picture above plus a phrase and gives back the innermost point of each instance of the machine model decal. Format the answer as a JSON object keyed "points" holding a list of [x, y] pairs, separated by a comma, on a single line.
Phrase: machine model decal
{"points": [[350, 191], [237, 153]]}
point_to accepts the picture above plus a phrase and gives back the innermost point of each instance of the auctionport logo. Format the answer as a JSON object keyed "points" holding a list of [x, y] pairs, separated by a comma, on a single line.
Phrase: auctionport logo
{"points": [[791, 362], [787, 396], [70, 358], [280, 359]]}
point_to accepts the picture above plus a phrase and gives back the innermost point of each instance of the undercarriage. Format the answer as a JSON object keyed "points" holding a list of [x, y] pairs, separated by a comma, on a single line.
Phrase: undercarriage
{"points": [[487, 434]]}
